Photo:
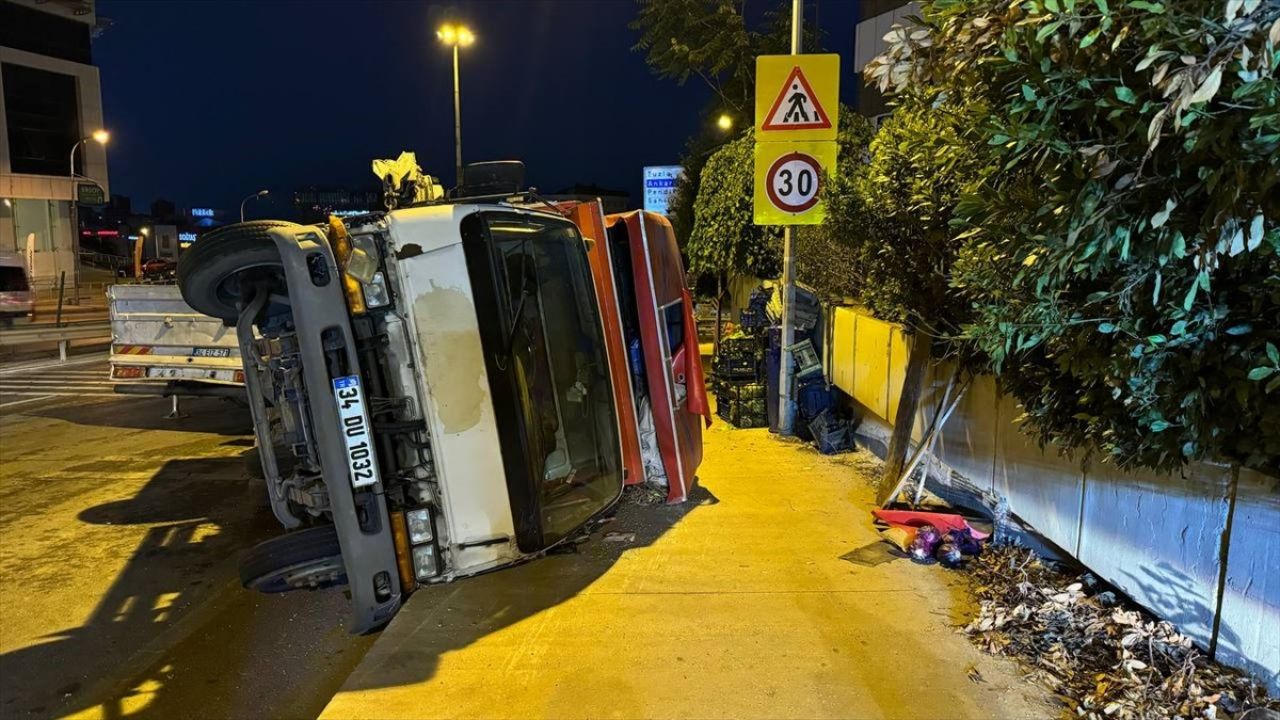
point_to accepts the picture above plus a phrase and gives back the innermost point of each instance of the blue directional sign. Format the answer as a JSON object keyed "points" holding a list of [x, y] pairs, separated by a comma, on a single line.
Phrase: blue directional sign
{"points": [[659, 186]]}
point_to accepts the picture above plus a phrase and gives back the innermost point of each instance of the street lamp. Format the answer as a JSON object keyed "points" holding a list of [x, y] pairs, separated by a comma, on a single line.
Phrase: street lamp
{"points": [[456, 36], [101, 136], [260, 193], [724, 122]]}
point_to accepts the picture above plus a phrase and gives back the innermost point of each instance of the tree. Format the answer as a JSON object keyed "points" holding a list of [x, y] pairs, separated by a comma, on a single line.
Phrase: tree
{"points": [[895, 210], [710, 40], [1123, 263], [825, 258], [725, 239], [896, 207]]}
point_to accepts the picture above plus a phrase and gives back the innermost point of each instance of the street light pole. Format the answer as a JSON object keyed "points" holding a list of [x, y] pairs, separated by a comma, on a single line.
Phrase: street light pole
{"points": [[457, 120], [456, 37], [786, 395], [101, 136], [260, 193]]}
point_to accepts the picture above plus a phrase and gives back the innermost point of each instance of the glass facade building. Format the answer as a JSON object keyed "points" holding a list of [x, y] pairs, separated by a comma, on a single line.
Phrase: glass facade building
{"points": [[50, 98]]}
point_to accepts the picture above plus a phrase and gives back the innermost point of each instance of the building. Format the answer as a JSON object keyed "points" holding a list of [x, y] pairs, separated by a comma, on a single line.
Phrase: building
{"points": [[50, 99], [875, 19]]}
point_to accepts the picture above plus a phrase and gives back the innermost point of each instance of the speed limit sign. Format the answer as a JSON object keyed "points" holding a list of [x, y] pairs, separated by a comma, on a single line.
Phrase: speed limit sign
{"points": [[793, 182], [789, 181]]}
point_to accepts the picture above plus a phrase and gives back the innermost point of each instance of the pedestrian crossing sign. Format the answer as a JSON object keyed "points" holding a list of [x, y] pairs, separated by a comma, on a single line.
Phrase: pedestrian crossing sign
{"points": [[797, 97]]}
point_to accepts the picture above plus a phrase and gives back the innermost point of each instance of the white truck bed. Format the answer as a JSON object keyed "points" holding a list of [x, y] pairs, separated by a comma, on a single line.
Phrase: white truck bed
{"points": [[157, 338]]}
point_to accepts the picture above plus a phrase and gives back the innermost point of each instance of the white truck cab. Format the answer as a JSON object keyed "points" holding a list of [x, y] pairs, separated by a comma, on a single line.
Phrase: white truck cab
{"points": [[430, 391]]}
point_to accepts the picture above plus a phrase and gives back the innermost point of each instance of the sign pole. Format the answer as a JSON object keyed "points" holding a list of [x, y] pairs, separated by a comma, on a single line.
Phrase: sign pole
{"points": [[786, 398]]}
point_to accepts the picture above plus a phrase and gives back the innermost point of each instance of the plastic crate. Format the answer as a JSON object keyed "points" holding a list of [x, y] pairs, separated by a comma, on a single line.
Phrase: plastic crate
{"points": [[743, 415], [830, 434], [813, 399], [741, 392], [739, 346], [738, 367]]}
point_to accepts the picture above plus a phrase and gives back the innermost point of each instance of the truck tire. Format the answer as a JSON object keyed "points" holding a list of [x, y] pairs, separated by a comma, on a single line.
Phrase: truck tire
{"points": [[304, 560], [213, 271]]}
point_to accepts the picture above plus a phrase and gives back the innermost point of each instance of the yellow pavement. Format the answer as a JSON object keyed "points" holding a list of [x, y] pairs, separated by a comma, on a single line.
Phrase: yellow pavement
{"points": [[735, 605]]}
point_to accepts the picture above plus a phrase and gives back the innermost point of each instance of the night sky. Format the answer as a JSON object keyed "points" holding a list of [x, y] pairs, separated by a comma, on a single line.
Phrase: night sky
{"points": [[210, 101]]}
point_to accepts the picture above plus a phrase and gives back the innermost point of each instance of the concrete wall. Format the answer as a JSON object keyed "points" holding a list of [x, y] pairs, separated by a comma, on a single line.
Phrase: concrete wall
{"points": [[1161, 539]]}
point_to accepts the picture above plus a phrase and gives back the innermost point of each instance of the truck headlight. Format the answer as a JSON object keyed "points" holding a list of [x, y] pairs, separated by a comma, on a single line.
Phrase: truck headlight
{"points": [[375, 291], [424, 562], [419, 522]]}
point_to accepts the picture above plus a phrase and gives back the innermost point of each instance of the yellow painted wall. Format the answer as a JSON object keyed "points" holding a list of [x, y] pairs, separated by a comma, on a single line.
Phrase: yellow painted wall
{"points": [[842, 339], [897, 370], [868, 360], [871, 365]]}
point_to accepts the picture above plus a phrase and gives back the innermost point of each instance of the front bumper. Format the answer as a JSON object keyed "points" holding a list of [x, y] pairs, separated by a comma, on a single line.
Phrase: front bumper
{"points": [[323, 324]]}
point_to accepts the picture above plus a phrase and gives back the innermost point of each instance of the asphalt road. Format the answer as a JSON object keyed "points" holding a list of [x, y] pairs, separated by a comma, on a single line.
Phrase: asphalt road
{"points": [[119, 532]]}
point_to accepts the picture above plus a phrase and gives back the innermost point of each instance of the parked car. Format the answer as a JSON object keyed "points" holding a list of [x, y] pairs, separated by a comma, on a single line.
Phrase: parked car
{"points": [[159, 269], [17, 301]]}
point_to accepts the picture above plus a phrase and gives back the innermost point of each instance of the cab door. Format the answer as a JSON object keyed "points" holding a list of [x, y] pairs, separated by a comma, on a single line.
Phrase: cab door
{"points": [[667, 335], [589, 217]]}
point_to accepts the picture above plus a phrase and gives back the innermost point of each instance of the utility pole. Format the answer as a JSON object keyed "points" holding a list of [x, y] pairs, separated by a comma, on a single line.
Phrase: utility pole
{"points": [[457, 121], [456, 36], [786, 396]]}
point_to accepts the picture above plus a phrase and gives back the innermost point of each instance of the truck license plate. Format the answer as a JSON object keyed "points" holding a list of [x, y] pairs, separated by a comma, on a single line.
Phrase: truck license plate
{"points": [[211, 352], [354, 420]]}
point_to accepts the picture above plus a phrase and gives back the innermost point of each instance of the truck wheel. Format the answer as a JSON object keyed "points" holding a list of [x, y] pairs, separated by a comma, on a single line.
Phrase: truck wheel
{"points": [[213, 271], [303, 560]]}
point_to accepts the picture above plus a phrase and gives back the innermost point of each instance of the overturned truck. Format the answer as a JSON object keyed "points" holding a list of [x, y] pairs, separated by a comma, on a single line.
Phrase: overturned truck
{"points": [[450, 388]]}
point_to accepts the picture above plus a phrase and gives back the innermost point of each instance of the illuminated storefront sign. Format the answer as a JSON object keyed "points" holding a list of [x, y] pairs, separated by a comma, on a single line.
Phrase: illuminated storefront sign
{"points": [[202, 212]]}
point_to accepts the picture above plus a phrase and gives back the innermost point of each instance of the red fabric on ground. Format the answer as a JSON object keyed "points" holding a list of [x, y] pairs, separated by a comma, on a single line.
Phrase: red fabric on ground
{"points": [[945, 522]]}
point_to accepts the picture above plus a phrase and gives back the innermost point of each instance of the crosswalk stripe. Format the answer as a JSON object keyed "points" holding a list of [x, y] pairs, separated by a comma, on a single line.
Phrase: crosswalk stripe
{"points": [[52, 365], [28, 400], [26, 383], [37, 397], [72, 373], [46, 393]]}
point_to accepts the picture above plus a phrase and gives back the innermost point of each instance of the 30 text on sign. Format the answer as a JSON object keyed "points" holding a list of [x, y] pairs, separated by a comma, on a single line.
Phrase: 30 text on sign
{"points": [[789, 182]]}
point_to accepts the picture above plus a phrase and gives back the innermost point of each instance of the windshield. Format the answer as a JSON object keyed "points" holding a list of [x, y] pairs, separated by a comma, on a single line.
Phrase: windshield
{"points": [[12, 279], [553, 359]]}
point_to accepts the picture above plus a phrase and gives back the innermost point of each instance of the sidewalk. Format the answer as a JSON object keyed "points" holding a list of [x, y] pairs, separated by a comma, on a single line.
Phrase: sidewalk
{"points": [[735, 605]]}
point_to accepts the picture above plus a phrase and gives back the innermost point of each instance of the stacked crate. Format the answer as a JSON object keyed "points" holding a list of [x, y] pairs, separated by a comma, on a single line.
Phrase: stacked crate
{"points": [[742, 404], [740, 394]]}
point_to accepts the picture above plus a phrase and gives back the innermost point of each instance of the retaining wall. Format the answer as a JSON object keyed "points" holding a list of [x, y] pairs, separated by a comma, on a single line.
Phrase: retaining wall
{"points": [[1200, 549]]}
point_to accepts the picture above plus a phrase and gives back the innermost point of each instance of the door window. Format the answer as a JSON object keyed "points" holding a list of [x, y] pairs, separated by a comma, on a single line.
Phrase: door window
{"points": [[673, 318]]}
